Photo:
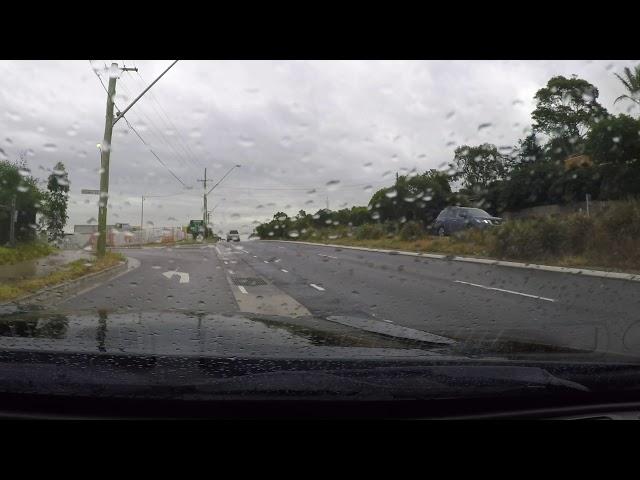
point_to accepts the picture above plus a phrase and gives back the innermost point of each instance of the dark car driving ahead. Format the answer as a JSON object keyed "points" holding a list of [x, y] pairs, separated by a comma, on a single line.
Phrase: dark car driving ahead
{"points": [[455, 219]]}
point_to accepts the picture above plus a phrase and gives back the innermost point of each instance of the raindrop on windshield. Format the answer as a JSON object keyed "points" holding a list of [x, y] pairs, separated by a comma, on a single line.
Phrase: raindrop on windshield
{"points": [[333, 184], [484, 126], [245, 141]]}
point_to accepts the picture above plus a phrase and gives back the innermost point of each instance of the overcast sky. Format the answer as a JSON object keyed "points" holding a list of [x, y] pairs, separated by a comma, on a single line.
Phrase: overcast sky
{"points": [[293, 126]]}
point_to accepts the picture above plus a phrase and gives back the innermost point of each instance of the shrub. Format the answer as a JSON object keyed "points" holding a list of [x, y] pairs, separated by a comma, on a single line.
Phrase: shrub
{"points": [[370, 231], [411, 230]]}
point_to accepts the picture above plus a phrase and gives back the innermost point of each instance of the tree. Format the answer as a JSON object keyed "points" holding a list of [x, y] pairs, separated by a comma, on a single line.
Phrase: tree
{"points": [[631, 82], [529, 150], [420, 197], [480, 165], [17, 182], [614, 145], [566, 108], [55, 202]]}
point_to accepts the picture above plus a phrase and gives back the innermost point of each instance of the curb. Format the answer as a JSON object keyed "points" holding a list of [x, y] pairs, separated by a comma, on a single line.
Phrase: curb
{"points": [[47, 292], [485, 261]]}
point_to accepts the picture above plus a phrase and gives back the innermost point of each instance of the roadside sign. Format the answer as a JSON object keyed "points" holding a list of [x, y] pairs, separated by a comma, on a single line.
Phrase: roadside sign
{"points": [[90, 192]]}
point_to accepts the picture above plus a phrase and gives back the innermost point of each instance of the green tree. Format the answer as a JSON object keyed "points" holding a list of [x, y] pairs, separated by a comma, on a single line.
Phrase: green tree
{"points": [[614, 145], [479, 166], [17, 182], [55, 202], [420, 198], [631, 82], [566, 108]]}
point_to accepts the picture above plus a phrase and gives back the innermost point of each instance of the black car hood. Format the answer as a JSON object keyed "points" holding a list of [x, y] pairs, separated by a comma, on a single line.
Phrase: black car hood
{"points": [[201, 334]]}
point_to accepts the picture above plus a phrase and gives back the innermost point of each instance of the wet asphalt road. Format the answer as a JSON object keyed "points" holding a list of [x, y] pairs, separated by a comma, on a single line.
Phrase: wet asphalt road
{"points": [[443, 297]]}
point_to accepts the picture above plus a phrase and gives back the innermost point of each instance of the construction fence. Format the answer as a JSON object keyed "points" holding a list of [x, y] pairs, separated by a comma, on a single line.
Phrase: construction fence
{"points": [[118, 238]]}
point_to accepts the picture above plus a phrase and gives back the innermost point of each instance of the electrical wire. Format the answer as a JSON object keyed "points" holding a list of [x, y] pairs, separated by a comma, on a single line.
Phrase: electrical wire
{"points": [[136, 132]]}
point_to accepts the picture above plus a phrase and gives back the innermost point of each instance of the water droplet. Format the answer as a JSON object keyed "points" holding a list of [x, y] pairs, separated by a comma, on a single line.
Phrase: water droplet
{"points": [[3, 155], [484, 126], [294, 234], [91, 220], [450, 115], [245, 141], [375, 215], [517, 102], [394, 158], [23, 188], [332, 184], [616, 139], [62, 181], [285, 141], [368, 188], [391, 194], [14, 117]]}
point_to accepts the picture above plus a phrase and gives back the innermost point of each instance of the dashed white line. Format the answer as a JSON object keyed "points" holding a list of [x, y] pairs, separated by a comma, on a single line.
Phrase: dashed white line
{"points": [[328, 256], [242, 289], [285, 271], [506, 291], [317, 287]]}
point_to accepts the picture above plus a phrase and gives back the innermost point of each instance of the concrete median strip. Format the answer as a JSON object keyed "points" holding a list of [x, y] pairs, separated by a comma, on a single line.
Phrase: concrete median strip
{"points": [[486, 261]]}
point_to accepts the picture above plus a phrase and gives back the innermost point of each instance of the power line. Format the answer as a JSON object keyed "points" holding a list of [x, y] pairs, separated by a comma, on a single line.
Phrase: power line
{"points": [[137, 134], [154, 153], [184, 144], [157, 132]]}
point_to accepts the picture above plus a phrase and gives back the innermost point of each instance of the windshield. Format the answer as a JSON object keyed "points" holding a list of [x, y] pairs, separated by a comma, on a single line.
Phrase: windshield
{"points": [[296, 210]]}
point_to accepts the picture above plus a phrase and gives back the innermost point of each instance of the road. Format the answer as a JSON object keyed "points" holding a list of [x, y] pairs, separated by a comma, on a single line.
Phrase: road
{"points": [[457, 300]]}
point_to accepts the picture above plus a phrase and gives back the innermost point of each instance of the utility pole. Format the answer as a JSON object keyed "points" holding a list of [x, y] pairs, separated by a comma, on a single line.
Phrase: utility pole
{"points": [[12, 222], [105, 151], [142, 214], [204, 197]]}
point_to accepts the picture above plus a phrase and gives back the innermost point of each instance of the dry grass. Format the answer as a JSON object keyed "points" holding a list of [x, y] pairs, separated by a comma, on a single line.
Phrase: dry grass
{"points": [[71, 271]]}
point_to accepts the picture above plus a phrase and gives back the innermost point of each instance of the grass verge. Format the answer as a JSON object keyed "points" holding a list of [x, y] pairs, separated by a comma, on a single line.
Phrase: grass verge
{"points": [[71, 271], [24, 251]]}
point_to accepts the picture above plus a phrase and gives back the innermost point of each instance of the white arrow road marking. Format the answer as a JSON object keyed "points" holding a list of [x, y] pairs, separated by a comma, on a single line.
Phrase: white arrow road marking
{"points": [[317, 287], [506, 291], [242, 289], [184, 277]]}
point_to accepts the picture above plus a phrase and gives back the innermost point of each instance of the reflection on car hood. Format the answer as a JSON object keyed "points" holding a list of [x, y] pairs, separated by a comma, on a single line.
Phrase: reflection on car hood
{"points": [[174, 333]]}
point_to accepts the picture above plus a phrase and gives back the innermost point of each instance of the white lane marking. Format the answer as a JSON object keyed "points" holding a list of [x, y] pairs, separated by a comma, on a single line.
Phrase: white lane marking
{"points": [[231, 272], [316, 287], [506, 291], [184, 277], [242, 289], [285, 271], [328, 256], [218, 250]]}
